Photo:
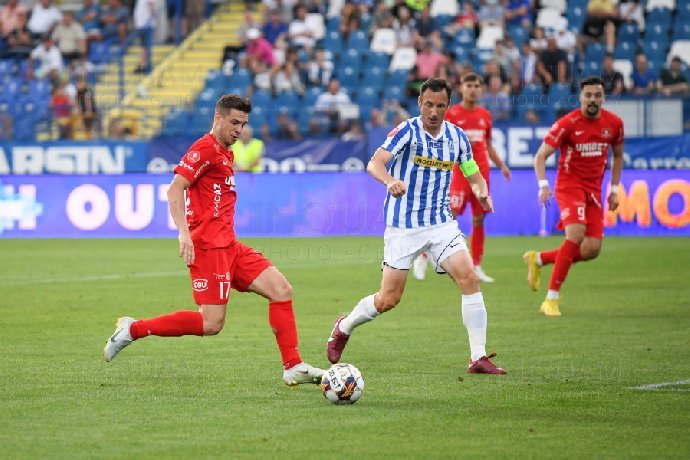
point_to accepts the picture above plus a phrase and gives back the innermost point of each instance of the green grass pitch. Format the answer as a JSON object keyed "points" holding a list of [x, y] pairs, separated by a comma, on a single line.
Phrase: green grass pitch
{"points": [[625, 323]]}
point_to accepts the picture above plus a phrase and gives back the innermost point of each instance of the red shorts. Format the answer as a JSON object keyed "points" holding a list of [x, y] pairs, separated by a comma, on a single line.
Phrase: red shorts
{"points": [[215, 271], [461, 192], [580, 207]]}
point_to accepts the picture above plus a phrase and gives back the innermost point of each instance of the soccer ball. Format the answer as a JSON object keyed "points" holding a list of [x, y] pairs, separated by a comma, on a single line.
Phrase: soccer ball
{"points": [[342, 384]]}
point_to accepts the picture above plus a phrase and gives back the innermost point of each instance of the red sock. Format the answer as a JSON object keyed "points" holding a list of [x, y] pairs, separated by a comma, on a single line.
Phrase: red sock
{"points": [[281, 317], [477, 244], [564, 259], [549, 257], [184, 322]]}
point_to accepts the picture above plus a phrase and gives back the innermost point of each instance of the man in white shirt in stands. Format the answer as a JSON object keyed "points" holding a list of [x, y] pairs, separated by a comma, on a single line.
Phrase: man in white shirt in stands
{"points": [[328, 104], [50, 60], [300, 32], [44, 16]]}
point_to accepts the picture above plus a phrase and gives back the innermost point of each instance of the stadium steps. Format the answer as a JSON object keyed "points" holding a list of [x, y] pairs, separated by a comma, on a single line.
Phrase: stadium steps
{"points": [[178, 79]]}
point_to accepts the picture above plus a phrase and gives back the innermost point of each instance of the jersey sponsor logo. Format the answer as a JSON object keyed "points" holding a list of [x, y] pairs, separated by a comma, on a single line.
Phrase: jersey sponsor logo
{"points": [[565, 214], [201, 168], [186, 166], [592, 149], [194, 156], [222, 276], [394, 132], [200, 284], [216, 199], [579, 133], [432, 163], [475, 135]]}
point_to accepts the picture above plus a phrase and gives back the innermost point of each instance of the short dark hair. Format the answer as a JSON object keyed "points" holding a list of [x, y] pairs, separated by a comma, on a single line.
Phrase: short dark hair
{"points": [[228, 102], [436, 85], [471, 76], [591, 80]]}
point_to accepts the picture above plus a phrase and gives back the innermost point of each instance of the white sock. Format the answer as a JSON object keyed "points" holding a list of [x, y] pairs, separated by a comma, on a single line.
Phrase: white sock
{"points": [[539, 262], [364, 312], [474, 318], [551, 294]]}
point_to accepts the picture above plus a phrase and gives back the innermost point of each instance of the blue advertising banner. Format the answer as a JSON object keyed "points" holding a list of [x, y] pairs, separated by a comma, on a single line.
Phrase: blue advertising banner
{"points": [[61, 157], [322, 204]]}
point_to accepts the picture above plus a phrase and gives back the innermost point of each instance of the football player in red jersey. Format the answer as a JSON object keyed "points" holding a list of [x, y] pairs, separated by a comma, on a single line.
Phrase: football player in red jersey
{"points": [[476, 122], [584, 137], [217, 261]]}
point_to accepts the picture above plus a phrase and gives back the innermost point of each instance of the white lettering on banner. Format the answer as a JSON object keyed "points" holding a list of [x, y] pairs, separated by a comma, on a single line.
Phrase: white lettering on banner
{"points": [[134, 213], [88, 207], [4, 164], [19, 208], [71, 159], [163, 196], [516, 149]]}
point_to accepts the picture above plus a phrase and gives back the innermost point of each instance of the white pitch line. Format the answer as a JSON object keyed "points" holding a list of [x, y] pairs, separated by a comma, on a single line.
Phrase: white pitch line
{"points": [[659, 386]]}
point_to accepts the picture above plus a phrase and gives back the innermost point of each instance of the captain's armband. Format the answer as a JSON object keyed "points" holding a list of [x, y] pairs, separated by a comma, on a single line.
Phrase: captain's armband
{"points": [[469, 167]]}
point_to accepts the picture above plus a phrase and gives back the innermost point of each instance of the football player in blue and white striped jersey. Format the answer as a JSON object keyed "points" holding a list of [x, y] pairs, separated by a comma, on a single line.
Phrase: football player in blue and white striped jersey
{"points": [[421, 152]]}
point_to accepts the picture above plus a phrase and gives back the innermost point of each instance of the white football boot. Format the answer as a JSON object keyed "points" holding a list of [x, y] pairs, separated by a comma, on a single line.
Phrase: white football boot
{"points": [[120, 338], [419, 267], [302, 373], [483, 277]]}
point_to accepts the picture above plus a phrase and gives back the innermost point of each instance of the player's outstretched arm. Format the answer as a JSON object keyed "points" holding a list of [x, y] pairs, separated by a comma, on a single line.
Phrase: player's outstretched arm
{"points": [[377, 169], [544, 152], [505, 170], [616, 169], [176, 203], [480, 190]]}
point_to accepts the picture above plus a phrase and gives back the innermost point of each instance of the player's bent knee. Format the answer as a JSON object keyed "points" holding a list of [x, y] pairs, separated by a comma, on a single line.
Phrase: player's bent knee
{"points": [[469, 282], [282, 291], [213, 327], [388, 302]]}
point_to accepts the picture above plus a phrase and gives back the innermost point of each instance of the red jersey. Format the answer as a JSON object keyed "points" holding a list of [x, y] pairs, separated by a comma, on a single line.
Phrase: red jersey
{"points": [[207, 165], [476, 123], [584, 145]]}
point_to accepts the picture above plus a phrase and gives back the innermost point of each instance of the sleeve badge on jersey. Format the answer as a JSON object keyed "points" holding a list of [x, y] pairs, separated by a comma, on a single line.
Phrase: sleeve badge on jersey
{"points": [[194, 156], [605, 132], [393, 132]]}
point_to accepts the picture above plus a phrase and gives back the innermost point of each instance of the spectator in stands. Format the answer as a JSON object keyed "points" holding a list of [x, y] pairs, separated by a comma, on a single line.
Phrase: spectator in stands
{"points": [[319, 69], [467, 19], [275, 30], [552, 65], [518, 13], [631, 11], [194, 12], [89, 17], [380, 18], [12, 16], [350, 21], [258, 50], [114, 18], [566, 39], [262, 77], [532, 117], [286, 79], [398, 5], [248, 151], [286, 128], [61, 105], [538, 42], [505, 61], [512, 51], [70, 38], [19, 41], [300, 32], [493, 69], [496, 100], [44, 16], [144, 23], [613, 80], [643, 79], [428, 62], [376, 119], [491, 14], [600, 20], [248, 24], [86, 104], [672, 81], [354, 133], [528, 64], [404, 28], [426, 28], [50, 60], [328, 105]]}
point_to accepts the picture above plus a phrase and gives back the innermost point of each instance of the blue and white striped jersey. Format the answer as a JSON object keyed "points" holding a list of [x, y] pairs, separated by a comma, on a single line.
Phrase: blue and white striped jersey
{"points": [[425, 164]]}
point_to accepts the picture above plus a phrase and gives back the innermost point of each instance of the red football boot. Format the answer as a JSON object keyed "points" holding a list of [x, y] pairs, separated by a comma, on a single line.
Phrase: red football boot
{"points": [[484, 366], [336, 343]]}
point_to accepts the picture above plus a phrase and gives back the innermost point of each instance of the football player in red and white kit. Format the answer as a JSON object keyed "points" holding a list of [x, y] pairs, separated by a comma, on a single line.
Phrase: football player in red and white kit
{"points": [[584, 137], [217, 261], [476, 122]]}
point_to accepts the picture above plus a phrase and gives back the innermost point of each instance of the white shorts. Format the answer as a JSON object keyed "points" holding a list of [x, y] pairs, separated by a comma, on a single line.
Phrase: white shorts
{"points": [[401, 246]]}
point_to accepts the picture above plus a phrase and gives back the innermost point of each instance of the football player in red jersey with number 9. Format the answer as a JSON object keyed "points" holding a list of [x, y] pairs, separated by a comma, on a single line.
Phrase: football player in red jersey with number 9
{"points": [[584, 137], [217, 261]]}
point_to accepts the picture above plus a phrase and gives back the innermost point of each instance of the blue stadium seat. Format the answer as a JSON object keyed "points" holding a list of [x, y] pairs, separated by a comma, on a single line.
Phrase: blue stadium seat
{"points": [[660, 16], [6, 67], [683, 9], [311, 95], [531, 92], [595, 52], [333, 42], [365, 23], [577, 4], [397, 78], [333, 24], [367, 95], [348, 77], [11, 88], [377, 59], [442, 20], [177, 122], [592, 68], [681, 28], [628, 32], [365, 111], [655, 51], [257, 118], [201, 120], [464, 37], [375, 77], [207, 98], [262, 98], [519, 35], [392, 93], [351, 58], [39, 87], [461, 53], [304, 117], [241, 78], [358, 40], [625, 50], [99, 52], [576, 17], [656, 32], [561, 97], [288, 99]]}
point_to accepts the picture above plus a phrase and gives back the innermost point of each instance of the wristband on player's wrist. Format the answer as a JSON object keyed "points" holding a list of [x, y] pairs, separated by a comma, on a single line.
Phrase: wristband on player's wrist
{"points": [[614, 188], [543, 183]]}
